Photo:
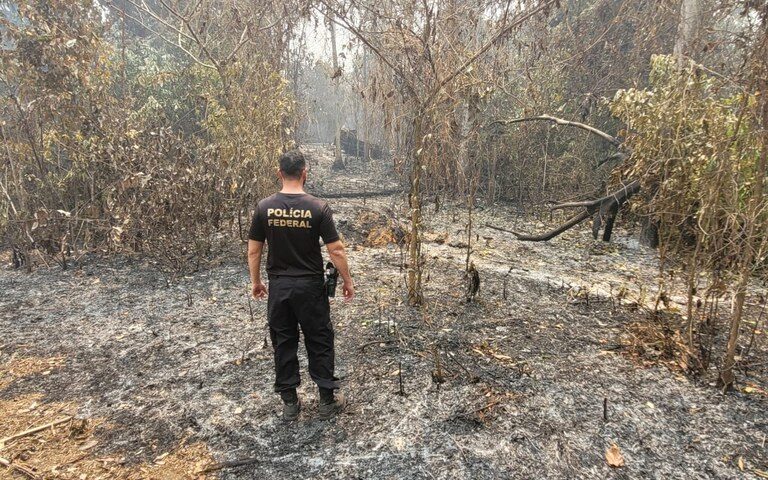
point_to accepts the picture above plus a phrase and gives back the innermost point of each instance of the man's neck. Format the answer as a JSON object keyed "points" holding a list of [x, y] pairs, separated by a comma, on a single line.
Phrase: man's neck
{"points": [[292, 187]]}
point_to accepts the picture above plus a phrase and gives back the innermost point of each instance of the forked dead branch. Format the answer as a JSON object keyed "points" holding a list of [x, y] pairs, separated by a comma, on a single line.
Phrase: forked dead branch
{"points": [[603, 210]]}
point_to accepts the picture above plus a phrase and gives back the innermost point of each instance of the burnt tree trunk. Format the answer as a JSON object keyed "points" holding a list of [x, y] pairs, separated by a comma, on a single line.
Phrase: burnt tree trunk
{"points": [[649, 233]]}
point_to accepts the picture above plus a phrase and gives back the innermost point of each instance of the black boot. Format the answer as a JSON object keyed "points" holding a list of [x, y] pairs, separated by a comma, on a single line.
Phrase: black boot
{"points": [[291, 405], [330, 405]]}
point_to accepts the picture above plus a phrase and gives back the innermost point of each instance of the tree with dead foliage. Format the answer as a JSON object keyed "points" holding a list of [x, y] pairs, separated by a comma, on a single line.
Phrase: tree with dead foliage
{"points": [[425, 72], [142, 127]]}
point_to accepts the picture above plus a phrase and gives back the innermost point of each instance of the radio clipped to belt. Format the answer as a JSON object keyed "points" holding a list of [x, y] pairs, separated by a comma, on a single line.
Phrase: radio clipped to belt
{"points": [[331, 279]]}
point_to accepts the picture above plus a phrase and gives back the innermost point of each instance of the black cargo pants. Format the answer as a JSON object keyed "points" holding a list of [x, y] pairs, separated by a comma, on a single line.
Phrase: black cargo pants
{"points": [[294, 302]]}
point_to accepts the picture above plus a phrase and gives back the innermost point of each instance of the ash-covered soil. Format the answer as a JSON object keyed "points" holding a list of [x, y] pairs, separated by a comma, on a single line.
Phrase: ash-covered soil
{"points": [[512, 385]]}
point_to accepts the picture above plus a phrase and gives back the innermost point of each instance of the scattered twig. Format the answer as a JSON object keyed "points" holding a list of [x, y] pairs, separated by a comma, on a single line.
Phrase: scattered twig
{"points": [[437, 374], [461, 449], [6, 440], [489, 405], [506, 278], [374, 342], [75, 460], [19, 468], [472, 377]]}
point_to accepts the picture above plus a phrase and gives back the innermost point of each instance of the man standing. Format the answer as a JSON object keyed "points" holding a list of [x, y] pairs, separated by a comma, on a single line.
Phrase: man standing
{"points": [[292, 223]]}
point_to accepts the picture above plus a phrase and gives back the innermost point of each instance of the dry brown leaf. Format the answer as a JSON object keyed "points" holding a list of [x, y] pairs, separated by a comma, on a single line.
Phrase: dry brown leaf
{"points": [[614, 457]]}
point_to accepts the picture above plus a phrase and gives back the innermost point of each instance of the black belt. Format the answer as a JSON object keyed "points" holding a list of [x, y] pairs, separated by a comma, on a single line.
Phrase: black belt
{"points": [[272, 276]]}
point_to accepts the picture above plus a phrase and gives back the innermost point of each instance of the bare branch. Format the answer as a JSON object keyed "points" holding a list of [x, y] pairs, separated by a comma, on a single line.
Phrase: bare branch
{"points": [[496, 38], [356, 32], [194, 36], [162, 37], [559, 121], [143, 7], [243, 41]]}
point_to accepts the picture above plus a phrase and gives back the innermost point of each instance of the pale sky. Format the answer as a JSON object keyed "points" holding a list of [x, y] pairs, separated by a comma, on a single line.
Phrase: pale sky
{"points": [[319, 42]]}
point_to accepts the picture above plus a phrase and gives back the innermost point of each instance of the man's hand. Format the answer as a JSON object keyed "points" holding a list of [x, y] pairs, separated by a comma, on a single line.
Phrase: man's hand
{"points": [[339, 259], [348, 288], [259, 290]]}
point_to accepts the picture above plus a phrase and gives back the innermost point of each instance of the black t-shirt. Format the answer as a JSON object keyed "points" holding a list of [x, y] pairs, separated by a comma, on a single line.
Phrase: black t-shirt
{"points": [[292, 224]]}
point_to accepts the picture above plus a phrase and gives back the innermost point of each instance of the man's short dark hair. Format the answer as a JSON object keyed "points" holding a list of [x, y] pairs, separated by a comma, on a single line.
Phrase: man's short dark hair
{"points": [[292, 163]]}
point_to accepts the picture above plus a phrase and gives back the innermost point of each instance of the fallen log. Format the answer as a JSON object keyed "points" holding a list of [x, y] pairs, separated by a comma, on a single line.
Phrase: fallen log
{"points": [[524, 237], [379, 193], [351, 145]]}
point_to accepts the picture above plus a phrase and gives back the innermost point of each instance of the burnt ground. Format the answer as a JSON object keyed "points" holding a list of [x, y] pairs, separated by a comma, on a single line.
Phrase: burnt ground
{"points": [[512, 385]]}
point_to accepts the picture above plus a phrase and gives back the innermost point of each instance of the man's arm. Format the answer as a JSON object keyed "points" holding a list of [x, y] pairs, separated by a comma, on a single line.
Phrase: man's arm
{"points": [[339, 258], [255, 248]]}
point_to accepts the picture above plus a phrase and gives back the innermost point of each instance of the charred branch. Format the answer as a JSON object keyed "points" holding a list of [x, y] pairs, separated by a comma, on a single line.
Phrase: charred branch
{"points": [[621, 195], [603, 209], [620, 156], [524, 237]]}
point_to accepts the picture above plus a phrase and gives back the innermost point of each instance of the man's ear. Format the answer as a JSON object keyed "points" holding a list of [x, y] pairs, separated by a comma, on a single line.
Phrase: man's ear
{"points": [[279, 174]]}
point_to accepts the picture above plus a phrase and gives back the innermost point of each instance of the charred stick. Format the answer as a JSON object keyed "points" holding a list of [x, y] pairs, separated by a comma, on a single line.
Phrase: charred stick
{"points": [[374, 342], [230, 464]]}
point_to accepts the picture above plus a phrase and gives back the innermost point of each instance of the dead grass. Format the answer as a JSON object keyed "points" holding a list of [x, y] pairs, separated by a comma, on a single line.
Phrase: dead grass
{"points": [[379, 229], [657, 340], [70, 450], [21, 367]]}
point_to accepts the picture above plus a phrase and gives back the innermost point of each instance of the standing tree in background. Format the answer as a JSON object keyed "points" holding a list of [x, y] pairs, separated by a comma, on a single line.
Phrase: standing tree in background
{"points": [[689, 28], [753, 231], [423, 72], [338, 162]]}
